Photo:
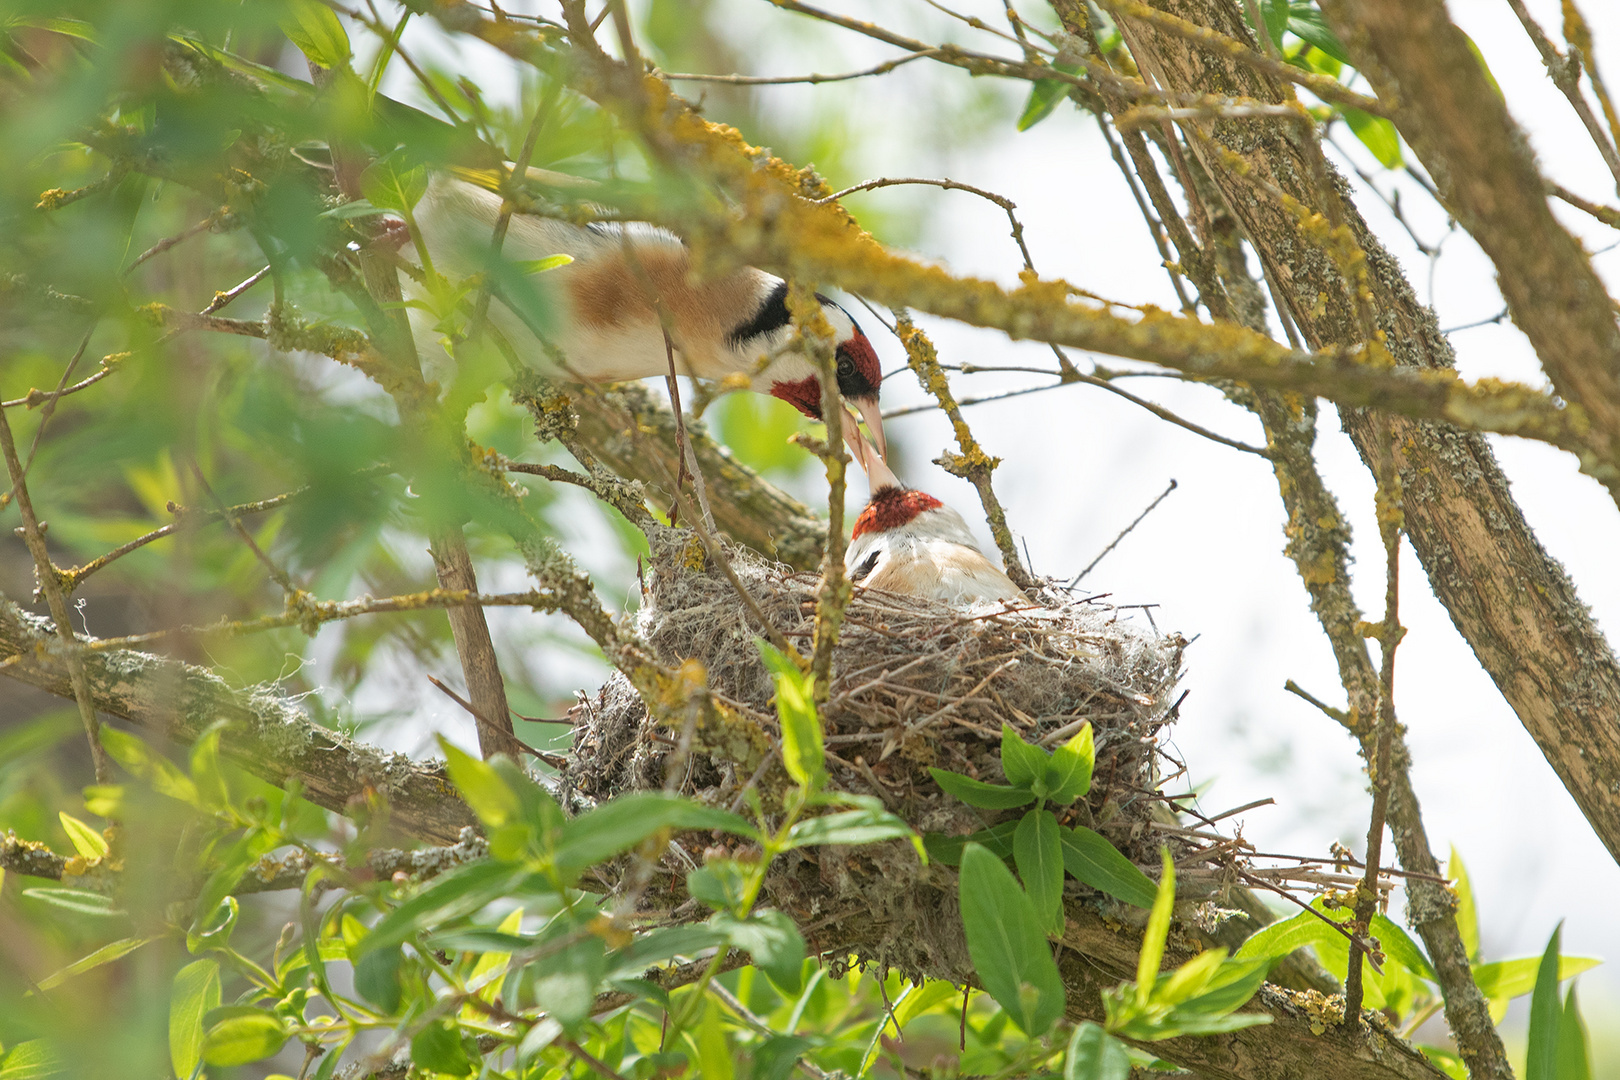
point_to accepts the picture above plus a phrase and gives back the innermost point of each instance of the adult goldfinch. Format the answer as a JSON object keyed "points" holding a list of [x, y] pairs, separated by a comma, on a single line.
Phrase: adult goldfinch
{"points": [[909, 542], [605, 302]]}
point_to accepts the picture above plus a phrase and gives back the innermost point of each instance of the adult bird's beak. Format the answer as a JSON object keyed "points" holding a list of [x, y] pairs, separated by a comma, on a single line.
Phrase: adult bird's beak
{"points": [[874, 422], [867, 456]]}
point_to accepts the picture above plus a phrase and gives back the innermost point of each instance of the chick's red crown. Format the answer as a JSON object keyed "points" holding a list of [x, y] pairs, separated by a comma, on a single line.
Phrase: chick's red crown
{"points": [[892, 507]]}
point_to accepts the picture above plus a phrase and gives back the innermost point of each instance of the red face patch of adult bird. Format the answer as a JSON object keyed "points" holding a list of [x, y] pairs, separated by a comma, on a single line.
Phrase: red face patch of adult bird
{"points": [[908, 542], [607, 325]]}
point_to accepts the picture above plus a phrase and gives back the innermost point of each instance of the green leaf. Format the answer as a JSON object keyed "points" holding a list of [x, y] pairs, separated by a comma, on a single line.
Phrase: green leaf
{"points": [[142, 761], [452, 895], [1006, 943], [1467, 914], [391, 187], [1446, 1061], [1376, 134], [1025, 765], [214, 932], [86, 841], [802, 752], [1483, 66], [658, 946], [206, 773], [71, 27], [568, 981], [1234, 982], [948, 849], [437, 1048], [1283, 937], [714, 1059], [1093, 860], [1158, 929], [1190, 979], [244, 1035], [1306, 23], [851, 827], [194, 993], [376, 977], [232, 865], [80, 901], [1095, 1055], [1574, 1062], [1546, 1012], [104, 955], [1276, 19], [1038, 853], [481, 786], [315, 29], [1045, 95], [1506, 979], [1068, 771], [105, 800], [622, 823], [721, 883], [978, 793], [931, 993], [540, 266], [35, 1059], [1399, 947], [775, 1057], [772, 939]]}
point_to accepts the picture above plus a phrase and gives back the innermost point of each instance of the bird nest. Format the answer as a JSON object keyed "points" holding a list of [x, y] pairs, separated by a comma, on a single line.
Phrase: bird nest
{"points": [[915, 684]]}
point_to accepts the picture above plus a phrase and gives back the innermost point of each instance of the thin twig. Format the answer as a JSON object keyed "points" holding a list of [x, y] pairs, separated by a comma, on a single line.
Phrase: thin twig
{"points": [[949, 185], [50, 406], [1322, 86], [972, 463], [556, 761], [223, 298], [288, 586], [783, 80], [1123, 534], [178, 238], [1494, 319], [1566, 75], [1609, 215], [683, 445], [51, 585], [72, 578]]}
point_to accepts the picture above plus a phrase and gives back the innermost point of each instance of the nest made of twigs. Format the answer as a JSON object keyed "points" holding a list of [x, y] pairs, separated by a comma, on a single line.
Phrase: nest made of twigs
{"points": [[915, 684]]}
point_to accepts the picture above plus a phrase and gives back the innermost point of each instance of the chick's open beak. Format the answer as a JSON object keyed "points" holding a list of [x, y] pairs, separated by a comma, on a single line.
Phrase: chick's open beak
{"points": [[868, 457], [874, 423]]}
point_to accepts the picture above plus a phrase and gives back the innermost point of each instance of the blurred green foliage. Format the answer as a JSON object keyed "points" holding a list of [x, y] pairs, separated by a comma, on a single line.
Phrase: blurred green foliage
{"points": [[166, 152]]}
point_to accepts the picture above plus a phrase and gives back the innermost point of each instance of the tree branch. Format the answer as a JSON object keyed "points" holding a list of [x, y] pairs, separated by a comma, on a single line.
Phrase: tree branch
{"points": [[1458, 123], [267, 736]]}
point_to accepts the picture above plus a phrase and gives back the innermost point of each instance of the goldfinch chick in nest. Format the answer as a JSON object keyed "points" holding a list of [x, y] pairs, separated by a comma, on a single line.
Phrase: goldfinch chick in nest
{"points": [[909, 542]]}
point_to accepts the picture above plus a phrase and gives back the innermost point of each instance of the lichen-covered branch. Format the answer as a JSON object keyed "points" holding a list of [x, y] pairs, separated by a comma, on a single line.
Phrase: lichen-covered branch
{"points": [[267, 735], [1302, 1040], [1316, 534], [972, 463], [801, 239], [271, 873], [633, 433], [1447, 108], [1514, 604], [51, 586]]}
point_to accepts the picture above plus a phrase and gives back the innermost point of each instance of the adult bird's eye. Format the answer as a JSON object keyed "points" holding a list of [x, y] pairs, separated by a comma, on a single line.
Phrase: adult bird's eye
{"points": [[846, 367], [867, 566]]}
